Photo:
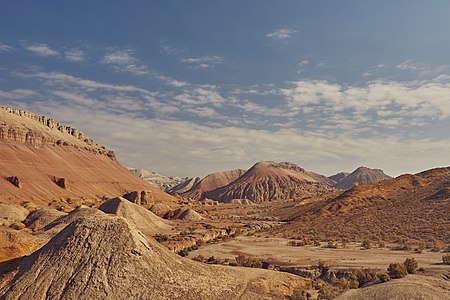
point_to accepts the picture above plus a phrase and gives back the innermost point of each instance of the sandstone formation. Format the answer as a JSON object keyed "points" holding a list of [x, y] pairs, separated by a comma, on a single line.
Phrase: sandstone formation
{"points": [[105, 257], [211, 182], [164, 182], [16, 243], [184, 213], [184, 186], [146, 221], [361, 175], [40, 218], [267, 181], [45, 161]]}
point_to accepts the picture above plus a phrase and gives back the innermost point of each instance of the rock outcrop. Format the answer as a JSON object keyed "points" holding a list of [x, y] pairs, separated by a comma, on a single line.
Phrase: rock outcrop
{"points": [[184, 213], [361, 175], [47, 162], [184, 186], [211, 182], [267, 181], [105, 257]]}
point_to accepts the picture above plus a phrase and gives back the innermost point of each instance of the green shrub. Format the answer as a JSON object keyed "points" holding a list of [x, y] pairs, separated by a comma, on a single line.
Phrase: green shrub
{"points": [[411, 265], [397, 270]]}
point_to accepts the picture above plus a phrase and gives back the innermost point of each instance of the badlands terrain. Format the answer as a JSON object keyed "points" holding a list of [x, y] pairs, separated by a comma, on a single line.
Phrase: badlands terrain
{"points": [[76, 224]]}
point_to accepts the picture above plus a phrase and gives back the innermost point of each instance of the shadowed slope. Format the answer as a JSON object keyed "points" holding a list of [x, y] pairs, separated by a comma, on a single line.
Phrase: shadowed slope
{"points": [[361, 175]]}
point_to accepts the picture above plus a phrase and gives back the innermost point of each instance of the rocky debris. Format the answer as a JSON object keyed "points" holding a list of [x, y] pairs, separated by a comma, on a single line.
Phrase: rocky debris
{"points": [[267, 181], [105, 257], [15, 243], [144, 198], [164, 182], [10, 214], [146, 221], [239, 201], [184, 186], [207, 201], [211, 182], [183, 213], [40, 218], [361, 175], [14, 180]]}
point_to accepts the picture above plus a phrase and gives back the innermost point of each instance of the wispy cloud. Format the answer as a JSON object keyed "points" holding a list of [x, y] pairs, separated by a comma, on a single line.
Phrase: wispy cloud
{"points": [[17, 94], [74, 55], [203, 62], [42, 50], [281, 34], [125, 61], [199, 95], [6, 48], [172, 81]]}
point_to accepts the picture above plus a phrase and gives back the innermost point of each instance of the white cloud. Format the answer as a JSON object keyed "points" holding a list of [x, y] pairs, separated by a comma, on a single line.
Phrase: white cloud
{"points": [[6, 48], [407, 65], [124, 61], [281, 34], [17, 94], [172, 81], [203, 62], [42, 50], [199, 96], [304, 62], [74, 55]]}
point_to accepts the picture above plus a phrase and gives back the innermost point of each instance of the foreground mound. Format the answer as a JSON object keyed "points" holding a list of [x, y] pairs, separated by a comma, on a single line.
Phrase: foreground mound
{"points": [[413, 287], [142, 218], [104, 257], [41, 159], [267, 181]]}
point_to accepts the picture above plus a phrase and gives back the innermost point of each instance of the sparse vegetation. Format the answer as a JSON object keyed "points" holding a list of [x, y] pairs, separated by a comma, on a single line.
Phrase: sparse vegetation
{"points": [[446, 258], [366, 244], [397, 270], [411, 265]]}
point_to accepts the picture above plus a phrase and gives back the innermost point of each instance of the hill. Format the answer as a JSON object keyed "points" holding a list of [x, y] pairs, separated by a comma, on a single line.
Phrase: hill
{"points": [[406, 209], [211, 182], [164, 182], [105, 257], [267, 181], [52, 164], [361, 175]]}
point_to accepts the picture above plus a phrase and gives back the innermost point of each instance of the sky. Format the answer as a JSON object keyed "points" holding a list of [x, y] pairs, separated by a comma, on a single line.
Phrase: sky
{"points": [[186, 88]]}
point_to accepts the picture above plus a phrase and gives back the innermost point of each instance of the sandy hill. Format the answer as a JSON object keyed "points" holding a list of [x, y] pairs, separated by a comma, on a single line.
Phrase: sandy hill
{"points": [[105, 257], [164, 182], [409, 207], [412, 287], [267, 181], [211, 182], [42, 160], [361, 175], [147, 222]]}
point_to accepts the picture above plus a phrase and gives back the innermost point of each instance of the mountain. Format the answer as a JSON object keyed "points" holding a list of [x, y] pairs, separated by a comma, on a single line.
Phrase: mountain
{"points": [[336, 178], [211, 182], [106, 257], [164, 182], [52, 164], [408, 207], [184, 186], [267, 181], [361, 175]]}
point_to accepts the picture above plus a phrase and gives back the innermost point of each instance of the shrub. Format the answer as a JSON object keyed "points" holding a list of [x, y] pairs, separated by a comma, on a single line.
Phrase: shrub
{"points": [[247, 261], [366, 244], [446, 258], [397, 270], [411, 265], [183, 252], [384, 277], [332, 245], [212, 260]]}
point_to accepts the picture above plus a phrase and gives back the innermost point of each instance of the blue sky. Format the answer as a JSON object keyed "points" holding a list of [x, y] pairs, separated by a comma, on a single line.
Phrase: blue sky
{"points": [[191, 87]]}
